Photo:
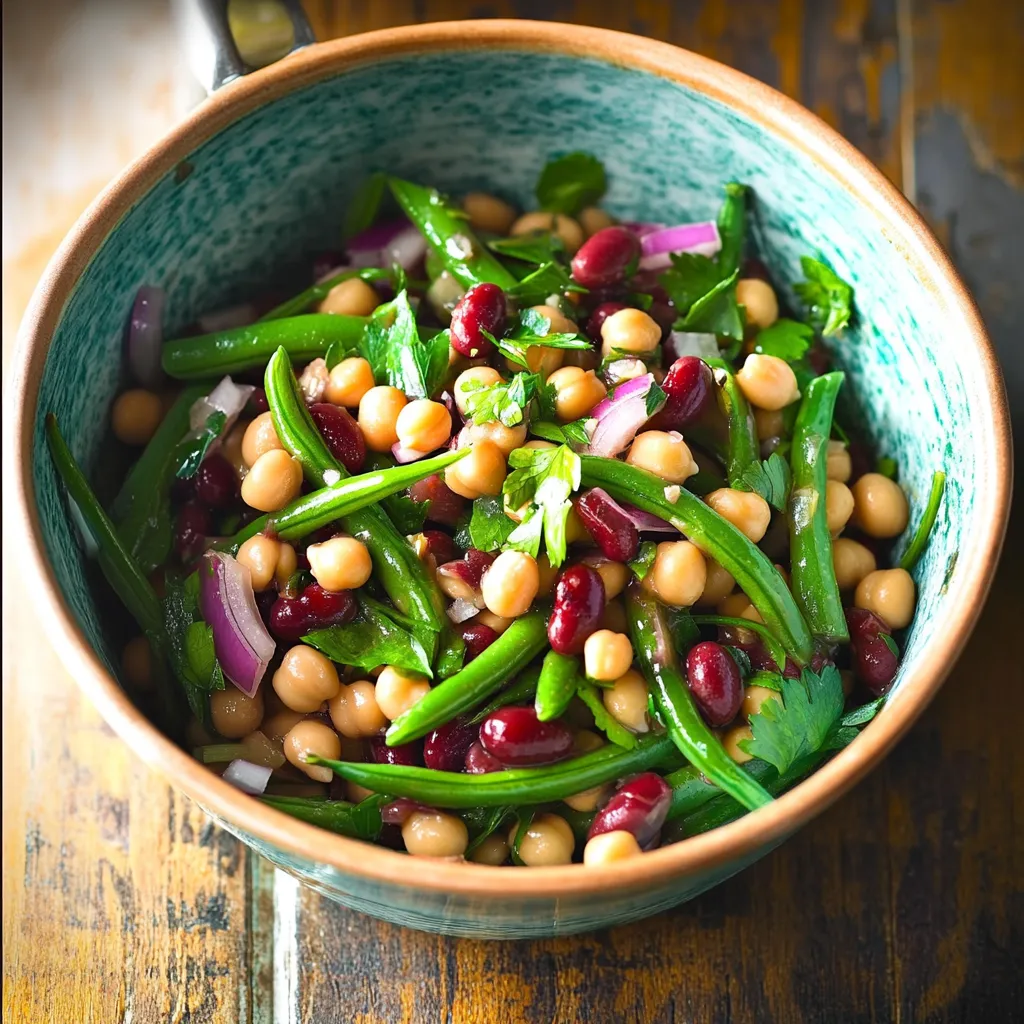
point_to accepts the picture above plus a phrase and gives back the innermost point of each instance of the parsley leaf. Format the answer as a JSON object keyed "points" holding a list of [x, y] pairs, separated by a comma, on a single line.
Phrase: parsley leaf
{"points": [[890, 643], [548, 279], [569, 183], [705, 297], [482, 822], [191, 451], [506, 402], [655, 398], [533, 329], [802, 724], [771, 479], [826, 295], [489, 527], [190, 643], [603, 721], [690, 277], [786, 339], [717, 312], [544, 247], [641, 564]]}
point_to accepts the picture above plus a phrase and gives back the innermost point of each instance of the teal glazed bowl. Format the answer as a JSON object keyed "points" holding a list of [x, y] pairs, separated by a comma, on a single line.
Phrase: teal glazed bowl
{"points": [[261, 175]]}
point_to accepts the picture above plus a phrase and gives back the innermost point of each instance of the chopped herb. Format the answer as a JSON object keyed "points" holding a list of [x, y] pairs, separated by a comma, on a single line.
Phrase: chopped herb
{"points": [[483, 822], [769, 680], [489, 526], [689, 279], [785, 339], [549, 278], [539, 248], [924, 528], [603, 721], [826, 295], [742, 660], [890, 643], [576, 432], [887, 467], [571, 182], [684, 630], [506, 402], [655, 398], [532, 329], [405, 512], [644, 559], [864, 714], [771, 479], [192, 450]]}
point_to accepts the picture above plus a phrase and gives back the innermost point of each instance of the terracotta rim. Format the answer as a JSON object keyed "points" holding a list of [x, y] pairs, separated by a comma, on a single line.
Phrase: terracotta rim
{"points": [[757, 102]]}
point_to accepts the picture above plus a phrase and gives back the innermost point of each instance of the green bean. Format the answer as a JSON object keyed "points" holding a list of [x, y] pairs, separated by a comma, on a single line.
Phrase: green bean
{"points": [[452, 653], [732, 227], [448, 233], [691, 790], [813, 574], [315, 294], [556, 686], [513, 650], [244, 348], [516, 786], [522, 689], [773, 646], [931, 511], [657, 656], [716, 537], [742, 449]]}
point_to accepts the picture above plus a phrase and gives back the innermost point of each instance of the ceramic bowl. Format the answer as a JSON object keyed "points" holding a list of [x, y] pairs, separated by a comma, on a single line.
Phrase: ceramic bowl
{"points": [[260, 175]]}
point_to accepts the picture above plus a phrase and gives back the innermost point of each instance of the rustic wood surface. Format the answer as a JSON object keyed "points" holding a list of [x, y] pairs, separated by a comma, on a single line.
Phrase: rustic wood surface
{"points": [[902, 903]]}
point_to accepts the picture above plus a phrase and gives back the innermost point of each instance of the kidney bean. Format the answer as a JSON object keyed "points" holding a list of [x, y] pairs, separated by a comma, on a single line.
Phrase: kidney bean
{"points": [[664, 314], [440, 546], [477, 636], [518, 739], [446, 747], [257, 402], [398, 811], [753, 267], [579, 605], [291, 618], [470, 568], [689, 390], [819, 358], [874, 664], [342, 434], [647, 281], [479, 762], [216, 481], [639, 806], [191, 530], [446, 507], [601, 313], [615, 533], [482, 308], [606, 257], [410, 754], [713, 678]]}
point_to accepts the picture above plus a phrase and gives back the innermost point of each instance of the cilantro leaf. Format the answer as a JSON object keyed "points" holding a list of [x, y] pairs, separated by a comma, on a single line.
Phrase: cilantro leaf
{"points": [[191, 451], [826, 295], [802, 724], [603, 721], [505, 402], [864, 714], [360, 821], [489, 526], [785, 339], [569, 183], [887, 467], [641, 564], [544, 477], [771, 479]]}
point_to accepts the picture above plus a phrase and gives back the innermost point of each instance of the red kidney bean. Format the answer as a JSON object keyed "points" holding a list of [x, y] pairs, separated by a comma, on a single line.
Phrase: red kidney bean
{"points": [[216, 481], [410, 754], [664, 314], [446, 507], [399, 810], [477, 637], [579, 605], [606, 257], [639, 806], [518, 739], [440, 546], [470, 568], [291, 618], [482, 308], [479, 762], [874, 664], [257, 402], [264, 602], [191, 529], [713, 678], [342, 434], [689, 393], [596, 319], [183, 489], [615, 533], [753, 267], [647, 281], [819, 358], [446, 747], [860, 460]]}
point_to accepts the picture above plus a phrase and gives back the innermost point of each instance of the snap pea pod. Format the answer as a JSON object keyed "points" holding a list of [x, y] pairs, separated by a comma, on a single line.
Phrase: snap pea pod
{"points": [[522, 689], [716, 537], [931, 511], [657, 656], [513, 650], [315, 294], [556, 686], [742, 449], [244, 348], [516, 786], [813, 574], [448, 233]]}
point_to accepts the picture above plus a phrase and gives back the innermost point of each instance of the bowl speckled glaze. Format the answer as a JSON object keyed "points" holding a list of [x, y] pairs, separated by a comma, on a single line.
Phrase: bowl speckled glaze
{"points": [[261, 175]]}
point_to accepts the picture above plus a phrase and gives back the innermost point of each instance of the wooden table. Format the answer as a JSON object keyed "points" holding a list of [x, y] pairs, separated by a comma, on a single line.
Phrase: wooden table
{"points": [[903, 902]]}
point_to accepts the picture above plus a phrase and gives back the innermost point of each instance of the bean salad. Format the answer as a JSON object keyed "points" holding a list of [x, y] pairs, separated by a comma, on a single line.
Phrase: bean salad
{"points": [[524, 538]]}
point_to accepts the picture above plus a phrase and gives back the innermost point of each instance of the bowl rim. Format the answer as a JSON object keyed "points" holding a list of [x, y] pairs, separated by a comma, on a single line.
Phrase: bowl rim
{"points": [[761, 104]]}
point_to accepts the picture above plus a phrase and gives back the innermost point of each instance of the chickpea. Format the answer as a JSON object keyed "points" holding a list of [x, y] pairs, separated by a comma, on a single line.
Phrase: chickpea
{"points": [[287, 564], [590, 799], [135, 416], [539, 445], [488, 213], [312, 737], [567, 229], [614, 575], [260, 555], [397, 690], [889, 593], [510, 584], [747, 511], [559, 322], [492, 851], [734, 605], [305, 679], [585, 741], [750, 612], [434, 834], [607, 655], [663, 453], [852, 561], [880, 506], [718, 584], [577, 391], [593, 219], [839, 465], [678, 575], [496, 622], [610, 847], [758, 299], [626, 701], [584, 358], [260, 437], [540, 359], [507, 439], [354, 711], [753, 697], [234, 714], [549, 841], [548, 575], [424, 425], [137, 663], [353, 297], [348, 382], [379, 410], [341, 563], [479, 473], [768, 382], [274, 480], [629, 330], [731, 743], [231, 448], [838, 506], [277, 726], [613, 617], [470, 382], [575, 531]]}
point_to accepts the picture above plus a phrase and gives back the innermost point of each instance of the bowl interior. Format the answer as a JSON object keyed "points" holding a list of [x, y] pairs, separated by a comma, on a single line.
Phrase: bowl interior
{"points": [[258, 198]]}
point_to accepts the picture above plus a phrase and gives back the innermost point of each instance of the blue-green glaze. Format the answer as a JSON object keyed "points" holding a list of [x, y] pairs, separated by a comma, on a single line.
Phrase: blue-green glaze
{"points": [[273, 187]]}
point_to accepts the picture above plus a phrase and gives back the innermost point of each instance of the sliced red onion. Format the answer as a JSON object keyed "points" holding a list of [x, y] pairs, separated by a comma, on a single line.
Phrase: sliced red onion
{"points": [[227, 397], [687, 343], [643, 227], [617, 418], [646, 521], [380, 246], [225, 319], [146, 335], [701, 238], [461, 609], [240, 639], [405, 455], [248, 777]]}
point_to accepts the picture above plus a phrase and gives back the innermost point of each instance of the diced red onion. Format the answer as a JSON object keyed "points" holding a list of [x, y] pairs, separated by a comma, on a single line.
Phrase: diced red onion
{"points": [[405, 455], [688, 343], [146, 335], [618, 417], [225, 319], [248, 777], [380, 246], [461, 609], [646, 521], [313, 381], [227, 397], [240, 639], [701, 238], [623, 370]]}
